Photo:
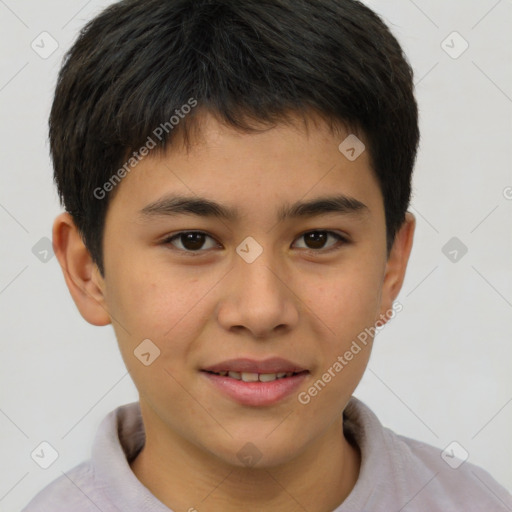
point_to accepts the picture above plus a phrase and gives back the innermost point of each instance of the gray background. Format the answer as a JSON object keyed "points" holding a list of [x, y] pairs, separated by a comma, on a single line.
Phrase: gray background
{"points": [[440, 371]]}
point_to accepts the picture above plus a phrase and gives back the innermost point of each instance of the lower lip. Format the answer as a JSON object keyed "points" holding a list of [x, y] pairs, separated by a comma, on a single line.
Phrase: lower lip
{"points": [[256, 393]]}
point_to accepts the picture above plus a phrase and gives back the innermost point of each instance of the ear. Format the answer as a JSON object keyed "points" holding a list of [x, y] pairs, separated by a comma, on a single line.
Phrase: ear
{"points": [[82, 275], [397, 265]]}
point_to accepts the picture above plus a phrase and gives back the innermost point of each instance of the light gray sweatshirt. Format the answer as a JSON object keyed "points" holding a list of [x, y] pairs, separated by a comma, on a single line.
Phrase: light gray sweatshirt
{"points": [[397, 474]]}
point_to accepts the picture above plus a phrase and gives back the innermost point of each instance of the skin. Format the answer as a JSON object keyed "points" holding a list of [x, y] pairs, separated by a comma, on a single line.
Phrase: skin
{"points": [[295, 301]]}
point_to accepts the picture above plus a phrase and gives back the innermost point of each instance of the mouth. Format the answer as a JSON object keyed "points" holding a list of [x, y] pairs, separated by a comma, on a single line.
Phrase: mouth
{"points": [[255, 383], [256, 377], [272, 366]]}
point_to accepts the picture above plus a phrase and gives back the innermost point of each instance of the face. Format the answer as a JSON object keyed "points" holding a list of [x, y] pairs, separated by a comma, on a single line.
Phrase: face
{"points": [[208, 289]]}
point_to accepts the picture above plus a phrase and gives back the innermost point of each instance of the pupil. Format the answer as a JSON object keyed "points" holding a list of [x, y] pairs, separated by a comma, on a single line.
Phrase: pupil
{"points": [[192, 241], [318, 238]]}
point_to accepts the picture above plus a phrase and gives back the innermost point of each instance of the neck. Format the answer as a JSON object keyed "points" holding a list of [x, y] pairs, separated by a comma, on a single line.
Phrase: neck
{"points": [[184, 477]]}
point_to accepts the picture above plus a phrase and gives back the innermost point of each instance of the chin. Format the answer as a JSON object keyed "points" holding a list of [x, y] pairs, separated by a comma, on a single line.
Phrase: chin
{"points": [[259, 453]]}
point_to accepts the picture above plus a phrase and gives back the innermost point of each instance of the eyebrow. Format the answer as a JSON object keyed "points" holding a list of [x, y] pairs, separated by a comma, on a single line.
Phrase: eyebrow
{"points": [[172, 205]]}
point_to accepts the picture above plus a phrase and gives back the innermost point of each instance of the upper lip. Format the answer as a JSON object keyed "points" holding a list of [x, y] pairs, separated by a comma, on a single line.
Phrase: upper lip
{"points": [[272, 365]]}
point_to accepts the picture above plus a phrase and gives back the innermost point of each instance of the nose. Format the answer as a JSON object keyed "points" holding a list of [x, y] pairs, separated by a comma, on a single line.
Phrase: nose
{"points": [[258, 299]]}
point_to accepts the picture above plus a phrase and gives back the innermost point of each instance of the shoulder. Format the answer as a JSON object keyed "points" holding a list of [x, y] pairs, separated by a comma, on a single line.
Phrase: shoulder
{"points": [[444, 479], [400, 473], [74, 490]]}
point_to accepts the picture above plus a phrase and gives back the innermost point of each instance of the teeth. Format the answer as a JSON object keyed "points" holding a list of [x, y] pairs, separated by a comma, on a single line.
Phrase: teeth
{"points": [[249, 377], [267, 377], [255, 377]]}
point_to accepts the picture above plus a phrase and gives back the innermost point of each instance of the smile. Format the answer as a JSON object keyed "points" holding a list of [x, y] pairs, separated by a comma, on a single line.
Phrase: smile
{"points": [[255, 389], [256, 377]]}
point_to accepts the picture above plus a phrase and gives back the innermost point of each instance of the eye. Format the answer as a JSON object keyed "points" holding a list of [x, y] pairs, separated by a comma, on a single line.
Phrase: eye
{"points": [[191, 241], [317, 240]]}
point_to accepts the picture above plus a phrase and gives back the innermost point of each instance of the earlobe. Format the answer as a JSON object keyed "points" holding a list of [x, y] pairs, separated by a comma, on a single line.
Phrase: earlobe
{"points": [[80, 272], [397, 263]]}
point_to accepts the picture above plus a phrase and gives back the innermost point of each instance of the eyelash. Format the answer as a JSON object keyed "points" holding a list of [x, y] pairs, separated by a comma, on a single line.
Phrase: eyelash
{"points": [[341, 238]]}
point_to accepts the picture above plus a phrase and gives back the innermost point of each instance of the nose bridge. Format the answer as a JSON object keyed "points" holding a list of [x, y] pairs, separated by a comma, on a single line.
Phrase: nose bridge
{"points": [[259, 280], [259, 300]]}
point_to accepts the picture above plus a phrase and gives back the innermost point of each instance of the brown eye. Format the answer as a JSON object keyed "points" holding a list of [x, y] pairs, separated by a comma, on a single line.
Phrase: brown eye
{"points": [[191, 241], [316, 240], [194, 241]]}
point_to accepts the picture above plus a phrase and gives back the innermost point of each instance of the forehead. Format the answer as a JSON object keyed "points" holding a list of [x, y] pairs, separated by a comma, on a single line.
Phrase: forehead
{"points": [[227, 173]]}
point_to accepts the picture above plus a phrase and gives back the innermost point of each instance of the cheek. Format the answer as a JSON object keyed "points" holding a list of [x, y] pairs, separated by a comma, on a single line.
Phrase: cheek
{"points": [[349, 302], [155, 303], [158, 306], [348, 306], [153, 309]]}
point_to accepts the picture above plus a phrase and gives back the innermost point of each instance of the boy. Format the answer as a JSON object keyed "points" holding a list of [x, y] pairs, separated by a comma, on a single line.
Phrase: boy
{"points": [[236, 176]]}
